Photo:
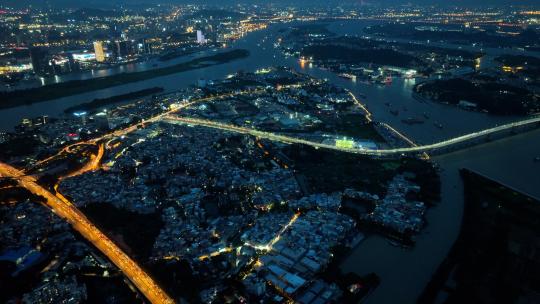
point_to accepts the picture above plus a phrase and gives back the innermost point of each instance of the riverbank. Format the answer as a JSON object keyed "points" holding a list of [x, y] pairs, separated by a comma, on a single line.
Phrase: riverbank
{"points": [[493, 96], [497, 221], [59, 90]]}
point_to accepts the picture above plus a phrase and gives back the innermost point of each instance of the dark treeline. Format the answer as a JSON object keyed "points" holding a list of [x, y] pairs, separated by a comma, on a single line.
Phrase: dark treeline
{"points": [[101, 102], [450, 34], [352, 55], [495, 98]]}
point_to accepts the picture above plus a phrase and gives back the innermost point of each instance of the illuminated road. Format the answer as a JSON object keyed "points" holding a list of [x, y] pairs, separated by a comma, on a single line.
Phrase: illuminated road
{"points": [[273, 241], [158, 117], [368, 114], [78, 220], [92, 165], [65, 209], [67, 149], [374, 152], [117, 133]]}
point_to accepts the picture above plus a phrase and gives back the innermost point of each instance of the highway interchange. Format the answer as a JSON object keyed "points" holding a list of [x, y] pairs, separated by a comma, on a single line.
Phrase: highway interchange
{"points": [[80, 223]]}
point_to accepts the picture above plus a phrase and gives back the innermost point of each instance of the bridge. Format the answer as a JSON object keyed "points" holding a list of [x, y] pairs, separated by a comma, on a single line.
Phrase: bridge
{"points": [[438, 148]]}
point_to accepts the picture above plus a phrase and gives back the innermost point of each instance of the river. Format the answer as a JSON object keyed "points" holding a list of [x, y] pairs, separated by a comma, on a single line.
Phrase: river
{"points": [[403, 273]]}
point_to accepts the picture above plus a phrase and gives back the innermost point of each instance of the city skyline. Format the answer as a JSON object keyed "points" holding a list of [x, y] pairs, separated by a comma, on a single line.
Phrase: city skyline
{"points": [[284, 152], [103, 3]]}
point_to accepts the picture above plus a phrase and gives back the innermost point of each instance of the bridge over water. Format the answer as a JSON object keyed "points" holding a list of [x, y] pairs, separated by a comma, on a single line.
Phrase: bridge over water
{"points": [[442, 147]]}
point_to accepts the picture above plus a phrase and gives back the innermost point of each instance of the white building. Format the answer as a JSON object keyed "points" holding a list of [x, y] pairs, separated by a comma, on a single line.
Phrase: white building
{"points": [[200, 37]]}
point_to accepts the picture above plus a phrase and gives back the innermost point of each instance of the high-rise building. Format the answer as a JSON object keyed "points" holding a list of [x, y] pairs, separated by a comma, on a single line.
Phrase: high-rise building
{"points": [[39, 57], [59, 64], [98, 49], [123, 49], [102, 121], [200, 37], [82, 115], [152, 46]]}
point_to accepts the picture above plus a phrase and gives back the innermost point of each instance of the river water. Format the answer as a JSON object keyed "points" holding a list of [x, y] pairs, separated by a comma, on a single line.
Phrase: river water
{"points": [[150, 64], [403, 273]]}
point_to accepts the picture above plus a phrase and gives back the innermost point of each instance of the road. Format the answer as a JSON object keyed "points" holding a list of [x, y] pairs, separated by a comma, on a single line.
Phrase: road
{"points": [[80, 223], [373, 152], [65, 209], [62, 207], [121, 132], [93, 164], [160, 116]]}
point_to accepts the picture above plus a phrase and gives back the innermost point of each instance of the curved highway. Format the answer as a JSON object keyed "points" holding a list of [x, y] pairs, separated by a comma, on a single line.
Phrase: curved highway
{"points": [[80, 222], [377, 152]]}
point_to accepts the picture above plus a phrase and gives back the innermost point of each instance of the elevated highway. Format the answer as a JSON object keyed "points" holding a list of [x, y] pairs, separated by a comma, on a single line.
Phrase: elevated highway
{"points": [[441, 147], [144, 283], [68, 211]]}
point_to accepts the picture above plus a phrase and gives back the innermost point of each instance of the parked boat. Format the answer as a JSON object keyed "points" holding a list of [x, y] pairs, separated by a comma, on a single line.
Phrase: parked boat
{"points": [[347, 76]]}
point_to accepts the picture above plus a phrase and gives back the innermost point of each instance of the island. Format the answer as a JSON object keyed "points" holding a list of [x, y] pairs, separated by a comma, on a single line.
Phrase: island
{"points": [[488, 96], [101, 102]]}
